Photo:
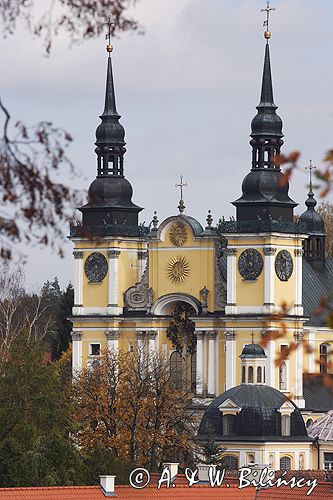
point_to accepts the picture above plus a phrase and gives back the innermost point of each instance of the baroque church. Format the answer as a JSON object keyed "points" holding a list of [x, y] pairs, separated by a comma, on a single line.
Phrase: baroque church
{"points": [[230, 281]]}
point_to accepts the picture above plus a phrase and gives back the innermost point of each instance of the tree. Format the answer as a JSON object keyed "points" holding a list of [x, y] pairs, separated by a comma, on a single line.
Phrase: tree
{"points": [[210, 452], [35, 448], [132, 410], [22, 315], [326, 210], [181, 333], [60, 302], [34, 203]]}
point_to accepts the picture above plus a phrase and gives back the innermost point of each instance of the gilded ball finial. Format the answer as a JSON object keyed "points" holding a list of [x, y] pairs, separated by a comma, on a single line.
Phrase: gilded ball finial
{"points": [[109, 47], [267, 35]]}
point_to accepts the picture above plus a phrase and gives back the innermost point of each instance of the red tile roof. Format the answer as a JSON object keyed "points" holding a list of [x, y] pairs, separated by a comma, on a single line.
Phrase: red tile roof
{"points": [[180, 492]]}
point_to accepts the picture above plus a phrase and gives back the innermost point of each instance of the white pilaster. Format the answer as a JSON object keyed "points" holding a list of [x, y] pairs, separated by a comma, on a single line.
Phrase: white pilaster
{"points": [[76, 353], [142, 261], [78, 278], [230, 363], [312, 355], [200, 365], [270, 366], [296, 459], [231, 281], [113, 256], [152, 340], [112, 337], [141, 339], [211, 363], [298, 282], [298, 398], [217, 362], [269, 279]]}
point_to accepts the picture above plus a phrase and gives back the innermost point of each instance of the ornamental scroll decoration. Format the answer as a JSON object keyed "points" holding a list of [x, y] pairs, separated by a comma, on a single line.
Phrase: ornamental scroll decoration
{"points": [[140, 296], [220, 278]]}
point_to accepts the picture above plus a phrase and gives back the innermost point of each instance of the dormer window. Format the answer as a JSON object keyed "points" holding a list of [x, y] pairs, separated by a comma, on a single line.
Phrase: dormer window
{"points": [[229, 425], [285, 425]]}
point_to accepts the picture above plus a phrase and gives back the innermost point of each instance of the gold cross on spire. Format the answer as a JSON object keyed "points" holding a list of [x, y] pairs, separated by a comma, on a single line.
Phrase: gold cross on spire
{"points": [[252, 337], [310, 168], [181, 205], [109, 47], [268, 10]]}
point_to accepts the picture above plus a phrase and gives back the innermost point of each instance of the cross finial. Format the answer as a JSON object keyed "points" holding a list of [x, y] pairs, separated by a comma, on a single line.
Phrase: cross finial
{"points": [[310, 168], [268, 10], [252, 337], [181, 205], [109, 47]]}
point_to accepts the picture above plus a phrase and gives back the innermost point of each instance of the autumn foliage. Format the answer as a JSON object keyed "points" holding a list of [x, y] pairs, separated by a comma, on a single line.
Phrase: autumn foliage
{"points": [[129, 406]]}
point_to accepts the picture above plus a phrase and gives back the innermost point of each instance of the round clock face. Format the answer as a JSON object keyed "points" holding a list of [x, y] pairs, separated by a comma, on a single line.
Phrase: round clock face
{"points": [[96, 267], [250, 264], [284, 265]]}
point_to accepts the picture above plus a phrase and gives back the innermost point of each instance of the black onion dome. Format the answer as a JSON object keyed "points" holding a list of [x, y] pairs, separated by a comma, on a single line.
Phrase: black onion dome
{"points": [[258, 419], [111, 191], [266, 185], [253, 351], [314, 220]]}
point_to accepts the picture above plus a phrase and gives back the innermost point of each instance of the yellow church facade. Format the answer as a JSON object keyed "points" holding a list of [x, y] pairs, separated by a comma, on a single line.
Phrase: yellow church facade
{"points": [[252, 280]]}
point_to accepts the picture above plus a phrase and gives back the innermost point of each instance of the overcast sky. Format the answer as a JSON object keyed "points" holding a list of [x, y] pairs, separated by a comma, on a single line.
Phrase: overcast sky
{"points": [[187, 92]]}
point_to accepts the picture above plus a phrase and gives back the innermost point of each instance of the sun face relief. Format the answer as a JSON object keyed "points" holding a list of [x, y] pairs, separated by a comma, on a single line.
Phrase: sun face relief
{"points": [[178, 234], [284, 265], [178, 269], [250, 264], [96, 267]]}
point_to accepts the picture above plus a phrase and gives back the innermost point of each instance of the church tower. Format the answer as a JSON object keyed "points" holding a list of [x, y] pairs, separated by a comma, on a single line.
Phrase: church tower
{"points": [[110, 244], [264, 255], [314, 246]]}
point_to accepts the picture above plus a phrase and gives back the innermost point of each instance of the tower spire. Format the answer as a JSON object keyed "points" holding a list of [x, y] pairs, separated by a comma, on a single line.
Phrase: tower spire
{"points": [[110, 194], [265, 194]]}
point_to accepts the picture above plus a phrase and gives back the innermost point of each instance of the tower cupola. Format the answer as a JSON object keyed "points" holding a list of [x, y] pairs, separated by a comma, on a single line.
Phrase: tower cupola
{"points": [[314, 245], [110, 203], [253, 359], [265, 191]]}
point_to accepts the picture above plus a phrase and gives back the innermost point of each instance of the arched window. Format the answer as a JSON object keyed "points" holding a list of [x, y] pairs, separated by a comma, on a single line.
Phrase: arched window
{"points": [[176, 370], [243, 374], [271, 460], [285, 463], [250, 375], [259, 375], [194, 372], [229, 462], [309, 422], [250, 458], [283, 377], [229, 425], [323, 350], [285, 425]]}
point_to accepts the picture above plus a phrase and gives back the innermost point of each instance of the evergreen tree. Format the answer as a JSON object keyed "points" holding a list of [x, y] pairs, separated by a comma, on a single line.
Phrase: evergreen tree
{"points": [[35, 448], [210, 451]]}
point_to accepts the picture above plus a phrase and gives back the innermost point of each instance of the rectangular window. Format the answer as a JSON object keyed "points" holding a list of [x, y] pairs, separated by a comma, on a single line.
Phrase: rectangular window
{"points": [[95, 349], [284, 349], [328, 461], [285, 425]]}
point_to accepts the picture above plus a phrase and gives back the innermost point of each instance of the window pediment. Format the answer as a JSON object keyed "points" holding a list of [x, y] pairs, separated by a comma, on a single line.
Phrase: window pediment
{"points": [[229, 407]]}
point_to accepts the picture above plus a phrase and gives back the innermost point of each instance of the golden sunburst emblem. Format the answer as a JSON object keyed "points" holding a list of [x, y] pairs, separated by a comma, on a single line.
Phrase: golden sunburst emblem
{"points": [[178, 269], [178, 234]]}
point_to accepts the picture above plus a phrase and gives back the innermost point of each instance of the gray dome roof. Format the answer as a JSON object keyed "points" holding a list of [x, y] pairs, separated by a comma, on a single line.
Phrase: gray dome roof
{"points": [[253, 351], [259, 418], [313, 219], [111, 191]]}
